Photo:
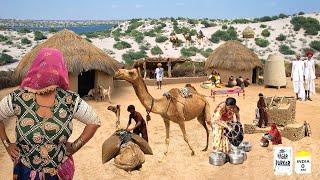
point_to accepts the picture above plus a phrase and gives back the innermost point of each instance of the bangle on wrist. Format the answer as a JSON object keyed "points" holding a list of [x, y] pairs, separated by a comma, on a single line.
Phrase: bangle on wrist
{"points": [[6, 143], [77, 144]]}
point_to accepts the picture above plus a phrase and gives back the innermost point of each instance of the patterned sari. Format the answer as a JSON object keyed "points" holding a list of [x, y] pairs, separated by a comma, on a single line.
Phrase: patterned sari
{"points": [[222, 116]]}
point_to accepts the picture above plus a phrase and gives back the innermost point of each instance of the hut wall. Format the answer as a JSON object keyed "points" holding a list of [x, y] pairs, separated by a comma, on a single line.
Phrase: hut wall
{"points": [[104, 80], [73, 79], [225, 74]]}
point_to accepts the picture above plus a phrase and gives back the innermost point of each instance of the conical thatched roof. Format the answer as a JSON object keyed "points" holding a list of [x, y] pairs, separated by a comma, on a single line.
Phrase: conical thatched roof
{"points": [[233, 55], [79, 54], [248, 32]]}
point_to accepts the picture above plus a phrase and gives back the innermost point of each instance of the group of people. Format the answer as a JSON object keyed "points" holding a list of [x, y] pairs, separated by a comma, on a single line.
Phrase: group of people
{"points": [[303, 76]]}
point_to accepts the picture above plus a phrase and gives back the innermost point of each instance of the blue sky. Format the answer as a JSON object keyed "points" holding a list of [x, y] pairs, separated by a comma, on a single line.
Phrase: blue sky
{"points": [[127, 9]]}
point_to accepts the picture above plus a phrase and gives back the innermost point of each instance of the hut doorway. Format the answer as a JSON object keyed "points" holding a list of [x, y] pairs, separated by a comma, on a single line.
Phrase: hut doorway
{"points": [[85, 82], [255, 74]]}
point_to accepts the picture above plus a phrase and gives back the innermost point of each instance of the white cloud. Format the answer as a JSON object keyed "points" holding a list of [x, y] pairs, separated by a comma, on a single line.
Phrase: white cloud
{"points": [[179, 4], [138, 6]]}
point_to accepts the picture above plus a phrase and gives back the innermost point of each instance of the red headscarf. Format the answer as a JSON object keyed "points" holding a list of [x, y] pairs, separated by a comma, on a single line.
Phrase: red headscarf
{"points": [[48, 71], [276, 136]]}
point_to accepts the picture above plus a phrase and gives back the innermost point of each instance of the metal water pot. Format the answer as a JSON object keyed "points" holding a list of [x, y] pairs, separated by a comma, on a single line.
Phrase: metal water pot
{"points": [[236, 156], [246, 146], [217, 158]]}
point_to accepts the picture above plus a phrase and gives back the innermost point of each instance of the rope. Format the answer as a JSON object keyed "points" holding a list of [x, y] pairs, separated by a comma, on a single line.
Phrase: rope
{"points": [[148, 112]]}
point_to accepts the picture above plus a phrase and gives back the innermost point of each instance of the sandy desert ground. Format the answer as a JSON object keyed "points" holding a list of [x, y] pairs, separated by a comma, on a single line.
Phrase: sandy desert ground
{"points": [[179, 163]]}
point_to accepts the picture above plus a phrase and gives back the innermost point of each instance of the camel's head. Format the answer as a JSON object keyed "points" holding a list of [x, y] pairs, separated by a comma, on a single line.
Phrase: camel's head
{"points": [[128, 75]]}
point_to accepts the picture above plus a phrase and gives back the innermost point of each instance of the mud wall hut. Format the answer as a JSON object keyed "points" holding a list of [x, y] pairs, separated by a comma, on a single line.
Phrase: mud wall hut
{"points": [[88, 66]]}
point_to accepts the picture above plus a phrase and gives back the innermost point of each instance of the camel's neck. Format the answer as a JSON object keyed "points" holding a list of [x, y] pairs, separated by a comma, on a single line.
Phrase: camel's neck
{"points": [[159, 105]]}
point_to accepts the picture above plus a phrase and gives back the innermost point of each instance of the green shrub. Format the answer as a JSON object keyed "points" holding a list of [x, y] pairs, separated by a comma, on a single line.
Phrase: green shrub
{"points": [[117, 38], [282, 16], [25, 41], [241, 21], [315, 45], [38, 35], [265, 33], [121, 45], [144, 48], [281, 37], [188, 52], [193, 21], [150, 33], [206, 53], [262, 42], [3, 38], [230, 34], [9, 42], [156, 50], [265, 19], [310, 25], [263, 26], [134, 24], [5, 59], [224, 26], [301, 13], [138, 36], [53, 30], [131, 55], [161, 39], [215, 39], [24, 30], [284, 49]]}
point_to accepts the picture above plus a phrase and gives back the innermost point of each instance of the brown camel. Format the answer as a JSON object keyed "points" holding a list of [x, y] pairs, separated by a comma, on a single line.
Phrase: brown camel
{"points": [[200, 37], [175, 41], [188, 38], [173, 108]]}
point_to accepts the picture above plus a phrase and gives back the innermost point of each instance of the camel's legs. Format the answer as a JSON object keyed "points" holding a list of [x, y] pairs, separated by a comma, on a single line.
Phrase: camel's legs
{"points": [[167, 124], [183, 129], [202, 121]]}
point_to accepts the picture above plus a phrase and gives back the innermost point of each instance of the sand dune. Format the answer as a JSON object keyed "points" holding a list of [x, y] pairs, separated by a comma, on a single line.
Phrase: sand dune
{"points": [[180, 164]]}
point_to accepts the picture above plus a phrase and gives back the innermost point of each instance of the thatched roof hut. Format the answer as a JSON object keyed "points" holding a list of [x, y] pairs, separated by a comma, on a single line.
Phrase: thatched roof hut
{"points": [[234, 59], [149, 64], [86, 63], [248, 32]]}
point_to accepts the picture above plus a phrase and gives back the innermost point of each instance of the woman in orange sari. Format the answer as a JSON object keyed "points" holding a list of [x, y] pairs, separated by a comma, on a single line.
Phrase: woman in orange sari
{"points": [[223, 116]]}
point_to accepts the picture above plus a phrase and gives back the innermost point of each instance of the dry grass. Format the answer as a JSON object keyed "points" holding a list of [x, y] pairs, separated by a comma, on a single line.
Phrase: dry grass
{"points": [[79, 54], [233, 55]]}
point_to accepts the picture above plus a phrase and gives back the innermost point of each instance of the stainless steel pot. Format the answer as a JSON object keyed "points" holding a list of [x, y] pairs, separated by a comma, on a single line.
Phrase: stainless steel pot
{"points": [[246, 146], [217, 158], [236, 156]]}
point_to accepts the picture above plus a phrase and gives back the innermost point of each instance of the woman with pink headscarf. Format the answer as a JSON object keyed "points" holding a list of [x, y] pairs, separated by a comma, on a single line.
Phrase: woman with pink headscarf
{"points": [[44, 108]]}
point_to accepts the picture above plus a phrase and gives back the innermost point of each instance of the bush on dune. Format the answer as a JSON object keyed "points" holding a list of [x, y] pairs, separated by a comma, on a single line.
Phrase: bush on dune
{"points": [[286, 50], [206, 53], [25, 41], [315, 45], [262, 42], [3, 38], [161, 39], [5, 59], [281, 37], [188, 52], [310, 25], [38, 35], [24, 30], [121, 45], [156, 50], [131, 55], [230, 34], [265, 33]]}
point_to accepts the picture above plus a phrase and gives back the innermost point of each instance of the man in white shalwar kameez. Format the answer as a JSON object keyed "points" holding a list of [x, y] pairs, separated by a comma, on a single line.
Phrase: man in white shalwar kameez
{"points": [[297, 77], [310, 76]]}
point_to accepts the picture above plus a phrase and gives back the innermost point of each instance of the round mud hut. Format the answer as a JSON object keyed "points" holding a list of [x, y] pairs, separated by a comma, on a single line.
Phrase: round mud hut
{"points": [[234, 59], [88, 66], [274, 71], [248, 32]]}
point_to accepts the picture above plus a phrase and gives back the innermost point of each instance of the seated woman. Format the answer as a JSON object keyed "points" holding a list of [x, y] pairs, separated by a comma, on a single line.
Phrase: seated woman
{"points": [[212, 77], [218, 80], [232, 82], [223, 116], [273, 135]]}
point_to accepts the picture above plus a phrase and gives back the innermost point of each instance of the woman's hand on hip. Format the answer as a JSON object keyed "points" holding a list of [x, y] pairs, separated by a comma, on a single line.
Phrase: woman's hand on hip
{"points": [[13, 151]]}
